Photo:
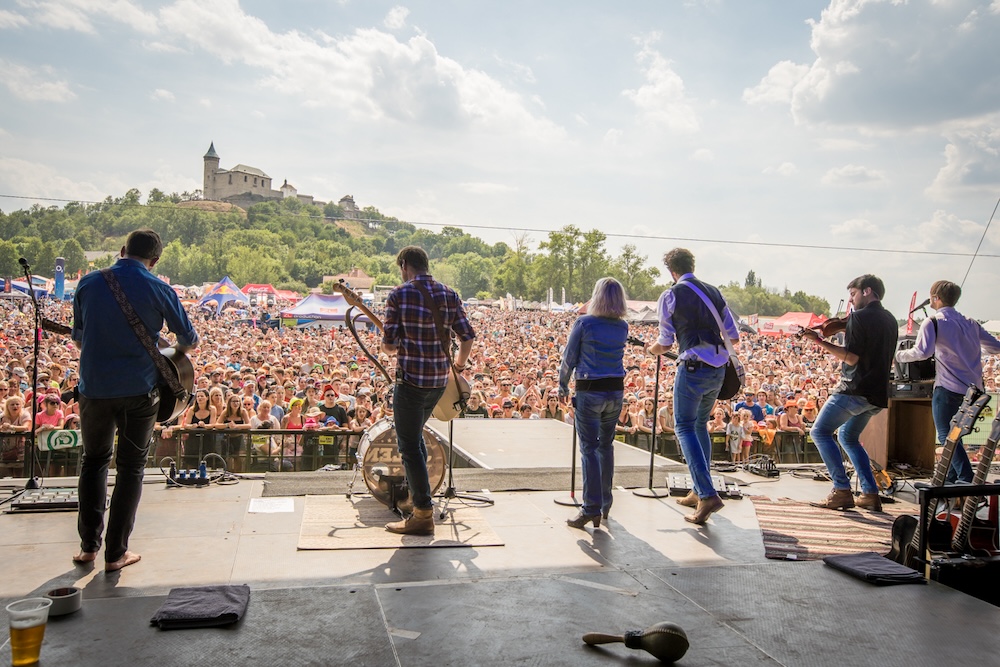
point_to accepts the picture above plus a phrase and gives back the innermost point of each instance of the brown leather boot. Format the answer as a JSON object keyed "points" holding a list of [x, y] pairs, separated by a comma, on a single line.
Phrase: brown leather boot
{"points": [[706, 507], [839, 499], [869, 501], [690, 500], [421, 522]]}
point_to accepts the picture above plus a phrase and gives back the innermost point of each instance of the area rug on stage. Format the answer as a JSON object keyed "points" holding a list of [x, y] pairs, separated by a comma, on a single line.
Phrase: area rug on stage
{"points": [[336, 522], [794, 530]]}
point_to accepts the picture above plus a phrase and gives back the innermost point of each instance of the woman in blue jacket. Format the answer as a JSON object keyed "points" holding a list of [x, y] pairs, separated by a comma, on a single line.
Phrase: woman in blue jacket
{"points": [[593, 355]]}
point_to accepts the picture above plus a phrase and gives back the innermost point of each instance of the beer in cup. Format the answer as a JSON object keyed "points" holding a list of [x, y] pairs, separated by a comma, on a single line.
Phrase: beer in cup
{"points": [[27, 629]]}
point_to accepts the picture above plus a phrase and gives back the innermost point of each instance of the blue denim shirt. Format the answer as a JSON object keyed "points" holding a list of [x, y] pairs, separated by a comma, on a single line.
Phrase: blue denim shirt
{"points": [[113, 363], [595, 349]]}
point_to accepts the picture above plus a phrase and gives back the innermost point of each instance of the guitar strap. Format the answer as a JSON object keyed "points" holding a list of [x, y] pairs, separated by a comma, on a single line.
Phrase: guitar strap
{"points": [[142, 334], [445, 339]]}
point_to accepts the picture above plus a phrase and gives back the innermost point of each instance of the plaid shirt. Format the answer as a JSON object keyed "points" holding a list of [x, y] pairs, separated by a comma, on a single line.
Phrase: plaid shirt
{"points": [[409, 325]]}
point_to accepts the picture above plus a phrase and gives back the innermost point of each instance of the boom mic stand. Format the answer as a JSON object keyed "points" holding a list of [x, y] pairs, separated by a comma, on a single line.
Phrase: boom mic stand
{"points": [[33, 481], [450, 492]]}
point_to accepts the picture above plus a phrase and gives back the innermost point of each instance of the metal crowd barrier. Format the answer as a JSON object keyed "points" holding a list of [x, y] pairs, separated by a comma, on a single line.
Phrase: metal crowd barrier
{"points": [[257, 450]]}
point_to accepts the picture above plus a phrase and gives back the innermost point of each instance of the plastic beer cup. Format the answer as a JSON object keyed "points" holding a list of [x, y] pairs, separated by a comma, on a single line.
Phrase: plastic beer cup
{"points": [[27, 629]]}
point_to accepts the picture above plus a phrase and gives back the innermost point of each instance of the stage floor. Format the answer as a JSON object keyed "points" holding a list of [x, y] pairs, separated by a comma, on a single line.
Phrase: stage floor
{"points": [[528, 602]]}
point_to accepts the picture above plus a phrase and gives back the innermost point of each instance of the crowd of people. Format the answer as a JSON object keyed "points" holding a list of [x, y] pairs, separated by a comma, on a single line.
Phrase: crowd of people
{"points": [[319, 379]]}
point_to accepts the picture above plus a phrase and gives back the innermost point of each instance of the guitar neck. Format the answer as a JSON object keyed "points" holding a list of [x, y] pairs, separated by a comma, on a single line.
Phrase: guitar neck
{"points": [[940, 474]]}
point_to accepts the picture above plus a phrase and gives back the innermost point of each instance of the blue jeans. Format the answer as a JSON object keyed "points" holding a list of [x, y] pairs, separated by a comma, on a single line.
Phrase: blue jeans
{"points": [[596, 415], [944, 406], [849, 414], [695, 393], [133, 417], [411, 407]]}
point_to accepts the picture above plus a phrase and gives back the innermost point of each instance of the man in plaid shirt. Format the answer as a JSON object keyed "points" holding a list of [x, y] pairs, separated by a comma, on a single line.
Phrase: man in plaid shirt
{"points": [[421, 372]]}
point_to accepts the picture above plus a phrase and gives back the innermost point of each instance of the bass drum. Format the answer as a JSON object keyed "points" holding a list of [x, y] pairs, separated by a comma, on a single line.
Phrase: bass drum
{"points": [[378, 456]]}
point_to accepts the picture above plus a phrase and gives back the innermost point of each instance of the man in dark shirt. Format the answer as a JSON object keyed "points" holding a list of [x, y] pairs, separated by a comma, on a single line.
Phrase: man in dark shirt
{"points": [[118, 391], [869, 345], [748, 403], [422, 371]]}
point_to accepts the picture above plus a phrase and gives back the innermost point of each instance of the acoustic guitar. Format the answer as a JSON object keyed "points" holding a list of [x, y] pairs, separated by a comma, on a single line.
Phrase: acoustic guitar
{"points": [[458, 390], [905, 529], [172, 406]]}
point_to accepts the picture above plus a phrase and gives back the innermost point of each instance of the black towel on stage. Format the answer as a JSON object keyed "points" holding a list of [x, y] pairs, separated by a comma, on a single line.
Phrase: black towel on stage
{"points": [[874, 568], [202, 607]]}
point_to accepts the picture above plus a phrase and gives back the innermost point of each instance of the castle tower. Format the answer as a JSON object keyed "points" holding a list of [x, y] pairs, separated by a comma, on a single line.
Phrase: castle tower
{"points": [[211, 166]]}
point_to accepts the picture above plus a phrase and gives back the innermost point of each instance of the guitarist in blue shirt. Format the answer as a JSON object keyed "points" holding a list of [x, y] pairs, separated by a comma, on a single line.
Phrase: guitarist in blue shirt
{"points": [[118, 391]]}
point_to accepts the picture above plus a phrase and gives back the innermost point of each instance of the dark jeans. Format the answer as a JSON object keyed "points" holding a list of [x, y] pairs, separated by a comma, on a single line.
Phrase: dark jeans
{"points": [[694, 397], [133, 417], [596, 416], [411, 407], [944, 406]]}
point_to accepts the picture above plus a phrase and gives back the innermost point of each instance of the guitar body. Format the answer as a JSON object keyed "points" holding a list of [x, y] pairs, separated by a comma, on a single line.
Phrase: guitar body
{"points": [[983, 533], [454, 398], [170, 406], [903, 530]]}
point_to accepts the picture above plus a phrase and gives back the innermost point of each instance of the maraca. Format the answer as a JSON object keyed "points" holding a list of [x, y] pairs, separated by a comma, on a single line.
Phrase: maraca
{"points": [[666, 641]]}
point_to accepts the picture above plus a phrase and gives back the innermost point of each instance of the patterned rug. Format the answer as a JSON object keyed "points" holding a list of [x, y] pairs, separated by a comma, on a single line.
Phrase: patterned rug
{"points": [[335, 522], [794, 530]]}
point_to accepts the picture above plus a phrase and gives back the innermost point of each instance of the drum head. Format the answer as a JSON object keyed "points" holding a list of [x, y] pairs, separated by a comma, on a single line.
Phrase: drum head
{"points": [[381, 463]]}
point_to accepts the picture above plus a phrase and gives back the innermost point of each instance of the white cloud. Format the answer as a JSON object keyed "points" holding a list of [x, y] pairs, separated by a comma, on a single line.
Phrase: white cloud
{"points": [[368, 74], [852, 175], [39, 180], [522, 72], [889, 63], [703, 155], [11, 19], [662, 101], [487, 188], [161, 47], [778, 85], [396, 18], [30, 84], [972, 160], [161, 95], [838, 144], [77, 14], [205, 102], [945, 232], [784, 169], [855, 228], [612, 137]]}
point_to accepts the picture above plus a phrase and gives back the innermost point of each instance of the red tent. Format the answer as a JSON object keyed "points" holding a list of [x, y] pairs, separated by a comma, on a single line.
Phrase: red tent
{"points": [[790, 323], [251, 288]]}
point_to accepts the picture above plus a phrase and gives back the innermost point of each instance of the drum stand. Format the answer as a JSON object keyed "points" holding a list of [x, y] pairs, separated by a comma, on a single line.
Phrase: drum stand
{"points": [[449, 491], [649, 491]]}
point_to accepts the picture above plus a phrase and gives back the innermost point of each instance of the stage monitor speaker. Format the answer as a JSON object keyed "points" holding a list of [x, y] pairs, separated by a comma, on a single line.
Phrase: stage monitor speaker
{"points": [[914, 371]]}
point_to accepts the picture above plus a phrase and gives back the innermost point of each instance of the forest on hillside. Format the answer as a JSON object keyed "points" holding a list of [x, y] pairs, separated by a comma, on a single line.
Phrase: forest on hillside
{"points": [[292, 246]]}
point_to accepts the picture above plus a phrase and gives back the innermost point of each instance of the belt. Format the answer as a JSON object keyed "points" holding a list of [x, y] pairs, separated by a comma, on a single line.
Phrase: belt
{"points": [[696, 364]]}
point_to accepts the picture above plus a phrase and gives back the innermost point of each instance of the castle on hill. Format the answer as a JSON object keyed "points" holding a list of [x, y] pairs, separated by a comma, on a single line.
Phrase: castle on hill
{"points": [[245, 186]]}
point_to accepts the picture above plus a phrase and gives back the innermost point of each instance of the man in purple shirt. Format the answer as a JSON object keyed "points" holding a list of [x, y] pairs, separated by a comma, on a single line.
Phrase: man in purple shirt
{"points": [[422, 369], [956, 342]]}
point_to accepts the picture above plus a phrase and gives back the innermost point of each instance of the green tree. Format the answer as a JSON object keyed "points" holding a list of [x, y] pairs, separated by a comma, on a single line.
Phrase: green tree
{"points": [[76, 260], [248, 265], [638, 279], [9, 267]]}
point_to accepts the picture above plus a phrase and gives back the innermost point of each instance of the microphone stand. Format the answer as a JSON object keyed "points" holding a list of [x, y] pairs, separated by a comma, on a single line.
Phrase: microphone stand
{"points": [[33, 481], [649, 491]]}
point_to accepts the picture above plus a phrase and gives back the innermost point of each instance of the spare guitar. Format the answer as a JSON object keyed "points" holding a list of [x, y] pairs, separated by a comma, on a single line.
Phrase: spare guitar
{"points": [[973, 535], [905, 533], [458, 389]]}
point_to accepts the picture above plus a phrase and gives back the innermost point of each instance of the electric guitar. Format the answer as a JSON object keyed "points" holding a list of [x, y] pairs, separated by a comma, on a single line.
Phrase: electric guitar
{"points": [[452, 402], [905, 533]]}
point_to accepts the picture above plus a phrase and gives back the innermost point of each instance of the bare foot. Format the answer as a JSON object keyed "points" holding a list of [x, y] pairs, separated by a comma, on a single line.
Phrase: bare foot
{"points": [[85, 557], [128, 559]]}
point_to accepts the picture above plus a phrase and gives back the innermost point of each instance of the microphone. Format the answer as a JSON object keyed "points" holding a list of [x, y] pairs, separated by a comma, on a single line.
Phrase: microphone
{"points": [[23, 262], [632, 340], [925, 303]]}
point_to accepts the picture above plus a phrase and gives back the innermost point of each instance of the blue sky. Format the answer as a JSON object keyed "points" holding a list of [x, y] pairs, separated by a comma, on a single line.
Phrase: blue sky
{"points": [[848, 123]]}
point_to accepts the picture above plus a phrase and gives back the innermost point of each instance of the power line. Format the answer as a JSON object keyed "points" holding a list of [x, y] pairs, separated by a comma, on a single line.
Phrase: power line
{"points": [[988, 223], [643, 237]]}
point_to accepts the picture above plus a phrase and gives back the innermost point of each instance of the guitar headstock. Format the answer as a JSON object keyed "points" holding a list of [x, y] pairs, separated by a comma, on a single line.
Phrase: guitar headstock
{"points": [[349, 294], [964, 420]]}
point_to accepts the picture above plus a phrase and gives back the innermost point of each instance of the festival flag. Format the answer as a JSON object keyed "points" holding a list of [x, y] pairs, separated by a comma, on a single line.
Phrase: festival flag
{"points": [[909, 318]]}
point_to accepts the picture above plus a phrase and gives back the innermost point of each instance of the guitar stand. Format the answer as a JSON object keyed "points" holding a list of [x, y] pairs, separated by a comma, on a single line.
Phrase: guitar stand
{"points": [[975, 575], [449, 491]]}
